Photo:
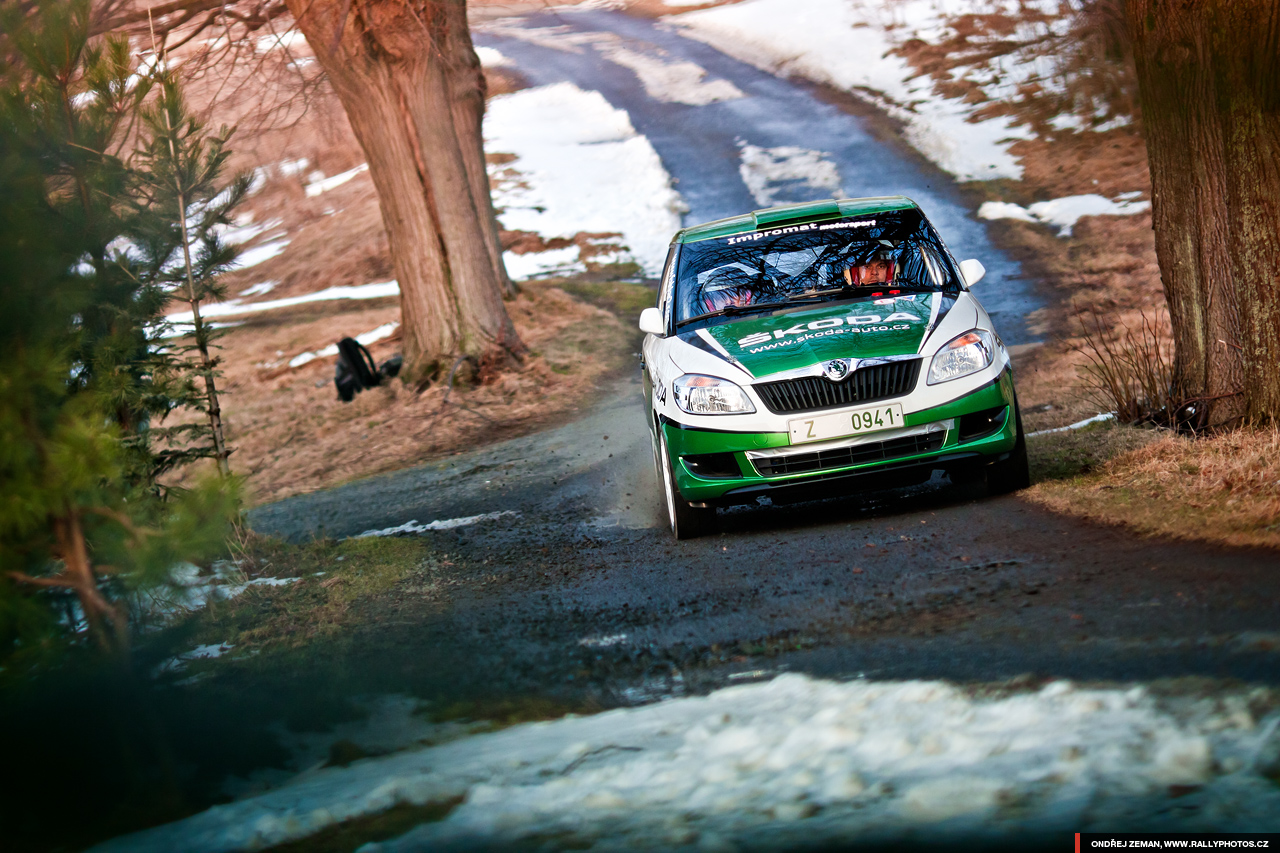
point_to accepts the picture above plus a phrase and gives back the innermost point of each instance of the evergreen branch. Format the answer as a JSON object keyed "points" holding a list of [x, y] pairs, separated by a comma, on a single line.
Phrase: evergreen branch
{"points": [[136, 531], [58, 581]]}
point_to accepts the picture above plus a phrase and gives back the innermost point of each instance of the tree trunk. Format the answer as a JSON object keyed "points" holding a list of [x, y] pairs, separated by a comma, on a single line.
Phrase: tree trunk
{"points": [[1247, 42], [394, 65], [469, 90], [1184, 137]]}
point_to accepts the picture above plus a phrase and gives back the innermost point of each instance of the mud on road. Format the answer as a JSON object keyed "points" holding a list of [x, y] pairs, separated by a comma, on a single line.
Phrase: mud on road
{"points": [[580, 593]]}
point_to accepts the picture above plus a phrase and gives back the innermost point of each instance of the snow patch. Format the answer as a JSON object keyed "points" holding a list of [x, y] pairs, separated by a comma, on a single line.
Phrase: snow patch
{"points": [[672, 82], [846, 43], [383, 331], [603, 642], [286, 39], [789, 763], [445, 524], [189, 590], [288, 168], [770, 173], [1105, 416], [260, 288], [560, 38], [1065, 212], [579, 166], [323, 184], [233, 307], [564, 261], [178, 663], [242, 233], [491, 57], [261, 253]]}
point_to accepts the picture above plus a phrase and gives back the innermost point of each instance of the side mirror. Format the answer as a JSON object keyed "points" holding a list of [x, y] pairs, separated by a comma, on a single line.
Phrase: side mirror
{"points": [[651, 322], [972, 272]]}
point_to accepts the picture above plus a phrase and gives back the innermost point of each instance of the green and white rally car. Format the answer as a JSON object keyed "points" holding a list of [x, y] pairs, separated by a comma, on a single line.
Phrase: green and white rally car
{"points": [[820, 348]]}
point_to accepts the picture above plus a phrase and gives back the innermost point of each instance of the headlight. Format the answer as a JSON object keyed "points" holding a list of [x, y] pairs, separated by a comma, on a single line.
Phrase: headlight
{"points": [[966, 354], [707, 395]]}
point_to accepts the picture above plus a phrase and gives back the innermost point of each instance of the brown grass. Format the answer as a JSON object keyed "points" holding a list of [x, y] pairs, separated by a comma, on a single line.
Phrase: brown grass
{"points": [[1223, 488], [291, 434]]}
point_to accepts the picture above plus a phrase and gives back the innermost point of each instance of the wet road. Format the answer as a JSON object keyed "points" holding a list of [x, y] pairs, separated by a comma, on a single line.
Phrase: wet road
{"points": [[707, 147], [585, 591]]}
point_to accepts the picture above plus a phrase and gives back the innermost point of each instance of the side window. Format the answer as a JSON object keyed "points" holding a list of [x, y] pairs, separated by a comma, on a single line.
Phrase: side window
{"points": [[667, 286]]}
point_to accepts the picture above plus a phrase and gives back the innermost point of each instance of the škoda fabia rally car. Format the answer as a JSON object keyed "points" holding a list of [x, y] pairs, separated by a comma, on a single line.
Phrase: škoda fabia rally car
{"points": [[820, 348]]}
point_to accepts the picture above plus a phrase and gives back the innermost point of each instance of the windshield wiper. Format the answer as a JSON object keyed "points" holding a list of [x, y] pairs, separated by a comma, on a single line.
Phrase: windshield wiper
{"points": [[731, 310]]}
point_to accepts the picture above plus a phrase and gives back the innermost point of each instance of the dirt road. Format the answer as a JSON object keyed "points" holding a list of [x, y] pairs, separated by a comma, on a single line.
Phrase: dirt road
{"points": [[582, 592]]}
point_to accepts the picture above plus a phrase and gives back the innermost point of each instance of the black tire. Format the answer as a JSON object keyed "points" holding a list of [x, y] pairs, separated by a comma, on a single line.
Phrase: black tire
{"points": [[1013, 473], [687, 522]]}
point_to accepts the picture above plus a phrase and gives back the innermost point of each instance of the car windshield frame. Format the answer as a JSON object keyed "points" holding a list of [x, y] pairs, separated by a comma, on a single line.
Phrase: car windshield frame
{"points": [[797, 265]]}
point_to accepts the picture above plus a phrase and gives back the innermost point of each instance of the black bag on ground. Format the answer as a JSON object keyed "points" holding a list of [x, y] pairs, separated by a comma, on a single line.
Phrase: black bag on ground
{"points": [[355, 370], [390, 368]]}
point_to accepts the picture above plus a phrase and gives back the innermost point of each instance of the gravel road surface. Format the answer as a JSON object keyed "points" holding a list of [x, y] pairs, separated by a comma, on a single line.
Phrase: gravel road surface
{"points": [[584, 589]]}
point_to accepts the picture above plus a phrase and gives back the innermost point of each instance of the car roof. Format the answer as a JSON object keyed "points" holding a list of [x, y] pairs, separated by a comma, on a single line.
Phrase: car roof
{"points": [[793, 214]]}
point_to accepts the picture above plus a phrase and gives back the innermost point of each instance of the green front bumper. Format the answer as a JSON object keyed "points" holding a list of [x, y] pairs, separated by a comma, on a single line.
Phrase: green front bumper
{"points": [[683, 442]]}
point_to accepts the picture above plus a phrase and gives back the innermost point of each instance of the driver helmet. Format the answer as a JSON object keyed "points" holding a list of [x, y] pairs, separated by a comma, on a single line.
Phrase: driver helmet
{"points": [[877, 268], [727, 286]]}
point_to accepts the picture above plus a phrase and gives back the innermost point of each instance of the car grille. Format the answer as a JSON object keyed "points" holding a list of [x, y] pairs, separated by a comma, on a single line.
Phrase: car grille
{"points": [[813, 393], [842, 457]]}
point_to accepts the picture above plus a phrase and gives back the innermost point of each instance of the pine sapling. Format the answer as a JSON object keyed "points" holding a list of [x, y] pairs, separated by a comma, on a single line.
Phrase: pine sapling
{"points": [[179, 169]]}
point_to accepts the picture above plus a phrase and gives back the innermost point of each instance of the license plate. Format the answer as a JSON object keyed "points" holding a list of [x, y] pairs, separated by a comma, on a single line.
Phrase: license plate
{"points": [[838, 425]]}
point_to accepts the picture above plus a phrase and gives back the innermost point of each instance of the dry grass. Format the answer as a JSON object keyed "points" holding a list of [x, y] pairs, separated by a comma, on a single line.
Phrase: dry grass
{"points": [[292, 435], [1223, 488]]}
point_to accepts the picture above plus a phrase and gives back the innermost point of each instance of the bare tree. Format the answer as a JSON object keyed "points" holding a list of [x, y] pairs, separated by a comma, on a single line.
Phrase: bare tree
{"points": [[413, 90]]}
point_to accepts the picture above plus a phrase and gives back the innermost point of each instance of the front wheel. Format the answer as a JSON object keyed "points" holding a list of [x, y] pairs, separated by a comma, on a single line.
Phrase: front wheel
{"points": [[1013, 473], [687, 522]]}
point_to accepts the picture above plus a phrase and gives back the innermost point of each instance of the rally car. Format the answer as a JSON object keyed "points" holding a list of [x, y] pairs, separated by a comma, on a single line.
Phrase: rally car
{"points": [[819, 348]]}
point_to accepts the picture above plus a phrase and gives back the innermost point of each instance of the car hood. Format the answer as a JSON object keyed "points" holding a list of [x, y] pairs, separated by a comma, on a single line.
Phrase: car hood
{"points": [[870, 328]]}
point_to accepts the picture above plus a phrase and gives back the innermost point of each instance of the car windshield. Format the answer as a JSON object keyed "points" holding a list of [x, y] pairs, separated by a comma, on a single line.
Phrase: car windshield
{"points": [[872, 254]]}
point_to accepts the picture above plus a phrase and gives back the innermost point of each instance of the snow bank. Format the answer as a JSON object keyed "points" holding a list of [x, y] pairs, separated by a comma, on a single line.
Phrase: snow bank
{"points": [[845, 43], [1065, 212], [795, 762], [579, 166]]}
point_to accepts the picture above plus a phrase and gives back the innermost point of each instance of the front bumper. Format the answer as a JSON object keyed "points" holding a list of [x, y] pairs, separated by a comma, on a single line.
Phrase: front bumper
{"points": [[719, 468]]}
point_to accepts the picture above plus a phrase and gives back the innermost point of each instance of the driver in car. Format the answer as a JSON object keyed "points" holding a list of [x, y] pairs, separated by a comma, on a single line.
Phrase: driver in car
{"points": [[877, 269], [728, 287]]}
